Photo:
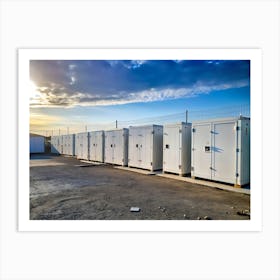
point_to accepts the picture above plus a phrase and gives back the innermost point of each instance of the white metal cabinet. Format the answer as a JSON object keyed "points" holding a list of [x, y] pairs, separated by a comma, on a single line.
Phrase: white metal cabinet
{"points": [[96, 146], [60, 146], [177, 148], [116, 146], [145, 147], [221, 150], [82, 145], [55, 144], [68, 142]]}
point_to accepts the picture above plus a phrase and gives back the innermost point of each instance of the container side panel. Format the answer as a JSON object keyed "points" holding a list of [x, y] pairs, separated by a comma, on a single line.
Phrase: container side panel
{"points": [[244, 177], [78, 148], [201, 151], [65, 144], [146, 148], [60, 147], [186, 149], [125, 148], [99, 146], [108, 156], [103, 147], [224, 152], [54, 145], [73, 144], [82, 145], [118, 147], [158, 148], [85, 146], [91, 146], [189, 148], [133, 148]]}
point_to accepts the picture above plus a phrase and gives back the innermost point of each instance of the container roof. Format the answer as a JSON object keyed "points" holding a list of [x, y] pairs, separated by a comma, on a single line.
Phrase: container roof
{"points": [[115, 129], [176, 124], [35, 135], [221, 119], [147, 125]]}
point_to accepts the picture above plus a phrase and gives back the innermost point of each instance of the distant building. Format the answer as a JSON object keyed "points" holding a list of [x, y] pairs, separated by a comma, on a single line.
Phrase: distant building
{"points": [[37, 143]]}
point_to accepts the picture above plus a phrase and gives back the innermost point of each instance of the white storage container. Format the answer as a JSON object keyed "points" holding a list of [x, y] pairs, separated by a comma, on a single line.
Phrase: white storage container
{"points": [[221, 150], [82, 145], [145, 147], [177, 148], [116, 146], [55, 145], [68, 142], [36, 143], [96, 146]]}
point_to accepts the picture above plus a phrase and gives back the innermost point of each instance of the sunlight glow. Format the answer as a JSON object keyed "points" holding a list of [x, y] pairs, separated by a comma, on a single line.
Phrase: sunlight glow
{"points": [[34, 94]]}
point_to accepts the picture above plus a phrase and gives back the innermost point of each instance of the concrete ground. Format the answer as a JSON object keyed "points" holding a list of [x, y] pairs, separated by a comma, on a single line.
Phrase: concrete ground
{"points": [[64, 188]]}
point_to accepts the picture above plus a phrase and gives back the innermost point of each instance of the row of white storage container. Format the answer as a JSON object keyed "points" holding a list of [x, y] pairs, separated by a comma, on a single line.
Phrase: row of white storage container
{"points": [[103, 146], [138, 147], [213, 149]]}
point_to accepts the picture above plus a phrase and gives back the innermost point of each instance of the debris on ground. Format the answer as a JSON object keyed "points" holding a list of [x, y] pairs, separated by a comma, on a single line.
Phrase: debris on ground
{"points": [[135, 209], [198, 218], [163, 209], [243, 213], [207, 218]]}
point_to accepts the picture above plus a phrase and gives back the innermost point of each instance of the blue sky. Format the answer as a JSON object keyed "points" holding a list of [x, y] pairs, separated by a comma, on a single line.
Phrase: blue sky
{"points": [[78, 92]]}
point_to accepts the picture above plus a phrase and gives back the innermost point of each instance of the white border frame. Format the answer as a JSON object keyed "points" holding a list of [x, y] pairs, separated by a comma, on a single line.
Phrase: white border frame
{"points": [[254, 55]]}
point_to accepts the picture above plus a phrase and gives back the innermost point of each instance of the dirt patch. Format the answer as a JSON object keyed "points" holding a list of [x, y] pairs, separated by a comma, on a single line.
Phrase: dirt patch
{"points": [[64, 191]]}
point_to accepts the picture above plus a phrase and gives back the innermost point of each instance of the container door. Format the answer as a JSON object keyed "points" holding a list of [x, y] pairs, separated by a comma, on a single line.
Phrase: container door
{"points": [[133, 147], [107, 149], [85, 146], [224, 152], [78, 145], [91, 146], [146, 147], [82, 145], [98, 146], [171, 149], [94, 144], [111, 147], [66, 145], [201, 154], [118, 147], [140, 147]]}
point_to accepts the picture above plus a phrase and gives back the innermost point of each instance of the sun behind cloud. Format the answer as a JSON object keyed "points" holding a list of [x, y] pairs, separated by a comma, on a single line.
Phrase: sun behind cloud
{"points": [[34, 94]]}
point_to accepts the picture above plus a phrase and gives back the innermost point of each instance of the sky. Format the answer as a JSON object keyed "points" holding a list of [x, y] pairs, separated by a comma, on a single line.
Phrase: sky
{"points": [[77, 93]]}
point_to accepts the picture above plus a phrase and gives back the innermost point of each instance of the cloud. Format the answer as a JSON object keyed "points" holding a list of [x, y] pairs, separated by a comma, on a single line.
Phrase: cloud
{"points": [[100, 82], [150, 95]]}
